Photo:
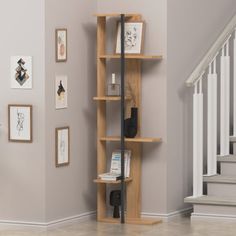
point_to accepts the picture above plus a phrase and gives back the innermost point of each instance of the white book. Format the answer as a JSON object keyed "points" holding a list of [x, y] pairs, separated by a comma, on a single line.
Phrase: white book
{"points": [[109, 176], [116, 163]]}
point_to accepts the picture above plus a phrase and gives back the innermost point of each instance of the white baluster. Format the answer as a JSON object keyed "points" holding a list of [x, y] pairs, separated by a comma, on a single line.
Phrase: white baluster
{"points": [[212, 120], [234, 84], [224, 100], [198, 140]]}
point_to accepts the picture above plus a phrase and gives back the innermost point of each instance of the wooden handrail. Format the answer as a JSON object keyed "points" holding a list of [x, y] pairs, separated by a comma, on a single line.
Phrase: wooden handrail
{"points": [[212, 52]]}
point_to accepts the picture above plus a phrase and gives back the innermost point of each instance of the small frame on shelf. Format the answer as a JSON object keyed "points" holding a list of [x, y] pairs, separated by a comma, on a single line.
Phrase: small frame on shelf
{"points": [[62, 146], [61, 45], [134, 35], [20, 123]]}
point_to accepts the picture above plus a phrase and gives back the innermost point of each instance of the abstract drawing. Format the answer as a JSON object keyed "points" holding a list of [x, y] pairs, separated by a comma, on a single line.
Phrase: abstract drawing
{"points": [[133, 37], [61, 91], [62, 146], [61, 45], [20, 123], [21, 72]]}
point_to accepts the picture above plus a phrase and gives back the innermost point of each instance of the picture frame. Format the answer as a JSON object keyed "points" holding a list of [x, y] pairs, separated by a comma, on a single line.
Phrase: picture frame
{"points": [[62, 146], [134, 37], [61, 45], [61, 92], [20, 123], [21, 72]]}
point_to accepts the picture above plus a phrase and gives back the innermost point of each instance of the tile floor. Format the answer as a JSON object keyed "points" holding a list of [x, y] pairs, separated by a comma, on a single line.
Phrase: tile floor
{"points": [[177, 227]]}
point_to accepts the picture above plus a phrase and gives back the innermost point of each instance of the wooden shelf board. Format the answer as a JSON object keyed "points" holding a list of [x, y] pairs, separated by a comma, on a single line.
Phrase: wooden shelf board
{"points": [[137, 221], [141, 57], [135, 140], [116, 14], [110, 98], [99, 181]]}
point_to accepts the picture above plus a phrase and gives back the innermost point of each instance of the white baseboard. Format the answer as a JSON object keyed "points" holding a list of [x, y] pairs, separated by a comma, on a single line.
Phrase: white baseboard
{"points": [[81, 218], [168, 216], [212, 217], [48, 225]]}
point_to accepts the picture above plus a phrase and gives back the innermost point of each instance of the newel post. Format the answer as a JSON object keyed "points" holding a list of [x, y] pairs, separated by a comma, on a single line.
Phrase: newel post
{"points": [[198, 139]]}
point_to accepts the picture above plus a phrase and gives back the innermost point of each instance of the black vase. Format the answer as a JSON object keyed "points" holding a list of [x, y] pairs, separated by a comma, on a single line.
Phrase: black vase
{"points": [[131, 124], [115, 201]]}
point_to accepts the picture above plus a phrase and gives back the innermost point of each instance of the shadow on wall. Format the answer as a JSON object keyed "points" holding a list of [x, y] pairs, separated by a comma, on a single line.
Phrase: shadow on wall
{"points": [[90, 112]]}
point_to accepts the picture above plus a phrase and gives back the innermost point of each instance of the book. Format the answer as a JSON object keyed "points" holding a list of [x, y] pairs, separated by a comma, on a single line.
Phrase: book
{"points": [[115, 169], [109, 176], [116, 162]]}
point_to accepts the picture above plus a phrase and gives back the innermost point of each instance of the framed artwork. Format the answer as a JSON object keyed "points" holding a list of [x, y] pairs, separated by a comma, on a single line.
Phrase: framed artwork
{"points": [[134, 34], [61, 92], [61, 45], [20, 123], [62, 146], [21, 72]]}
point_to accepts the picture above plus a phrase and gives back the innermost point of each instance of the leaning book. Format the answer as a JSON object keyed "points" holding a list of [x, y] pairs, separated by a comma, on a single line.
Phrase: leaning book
{"points": [[116, 163]]}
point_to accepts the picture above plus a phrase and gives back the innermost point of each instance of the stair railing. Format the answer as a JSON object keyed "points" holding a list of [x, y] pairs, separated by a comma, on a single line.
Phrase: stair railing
{"points": [[220, 49]]}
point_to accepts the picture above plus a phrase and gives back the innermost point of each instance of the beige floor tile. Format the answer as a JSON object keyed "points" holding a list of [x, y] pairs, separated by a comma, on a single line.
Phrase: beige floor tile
{"points": [[177, 227]]}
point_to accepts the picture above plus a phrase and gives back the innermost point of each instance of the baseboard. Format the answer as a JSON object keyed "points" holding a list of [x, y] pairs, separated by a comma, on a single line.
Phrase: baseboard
{"points": [[168, 216], [51, 224], [202, 216], [84, 217]]}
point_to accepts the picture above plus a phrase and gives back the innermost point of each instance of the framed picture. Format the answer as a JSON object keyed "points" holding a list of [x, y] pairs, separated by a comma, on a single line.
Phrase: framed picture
{"points": [[62, 146], [134, 34], [61, 91], [61, 45], [21, 72], [20, 123]]}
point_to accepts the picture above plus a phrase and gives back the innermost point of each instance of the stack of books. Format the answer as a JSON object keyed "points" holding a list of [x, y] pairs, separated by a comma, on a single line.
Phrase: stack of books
{"points": [[115, 170], [109, 176]]}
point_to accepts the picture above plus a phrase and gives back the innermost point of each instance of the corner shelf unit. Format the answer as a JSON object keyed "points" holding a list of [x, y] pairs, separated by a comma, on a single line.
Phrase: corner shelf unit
{"points": [[133, 77]]}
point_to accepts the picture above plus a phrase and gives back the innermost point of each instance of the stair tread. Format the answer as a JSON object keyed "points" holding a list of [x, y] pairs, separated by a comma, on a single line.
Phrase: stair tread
{"points": [[211, 200], [229, 158], [220, 179], [232, 139]]}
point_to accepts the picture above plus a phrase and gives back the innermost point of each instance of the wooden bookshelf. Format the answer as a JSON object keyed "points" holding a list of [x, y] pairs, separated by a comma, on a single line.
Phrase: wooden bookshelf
{"points": [[137, 221], [133, 66], [99, 181], [117, 15], [139, 57], [134, 140], [110, 98]]}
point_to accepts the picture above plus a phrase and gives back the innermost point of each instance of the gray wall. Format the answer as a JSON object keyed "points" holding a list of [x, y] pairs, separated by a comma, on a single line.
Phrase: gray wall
{"points": [[193, 26], [22, 166], [154, 118], [70, 190], [32, 189]]}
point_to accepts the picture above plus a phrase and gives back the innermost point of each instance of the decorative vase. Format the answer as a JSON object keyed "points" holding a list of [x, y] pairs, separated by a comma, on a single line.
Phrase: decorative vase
{"points": [[131, 124], [115, 201]]}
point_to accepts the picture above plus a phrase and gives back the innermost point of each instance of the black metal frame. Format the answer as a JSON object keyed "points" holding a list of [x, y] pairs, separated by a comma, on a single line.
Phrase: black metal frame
{"points": [[122, 105]]}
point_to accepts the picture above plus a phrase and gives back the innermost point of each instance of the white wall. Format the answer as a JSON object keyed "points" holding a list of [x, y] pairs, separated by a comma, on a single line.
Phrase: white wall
{"points": [[193, 26], [153, 97], [70, 190], [31, 188], [22, 166]]}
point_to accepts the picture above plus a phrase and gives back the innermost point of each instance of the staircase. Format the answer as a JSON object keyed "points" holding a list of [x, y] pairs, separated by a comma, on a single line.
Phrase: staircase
{"points": [[214, 192], [220, 200]]}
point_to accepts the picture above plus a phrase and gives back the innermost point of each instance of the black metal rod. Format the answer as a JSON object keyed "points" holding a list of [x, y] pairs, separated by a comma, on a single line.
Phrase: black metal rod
{"points": [[122, 105]]}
